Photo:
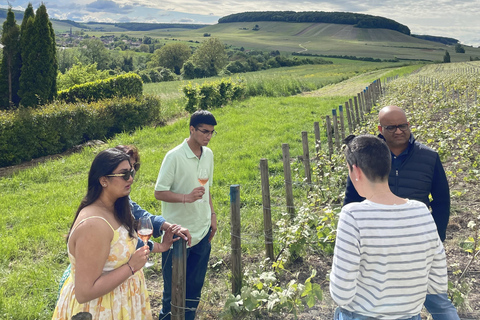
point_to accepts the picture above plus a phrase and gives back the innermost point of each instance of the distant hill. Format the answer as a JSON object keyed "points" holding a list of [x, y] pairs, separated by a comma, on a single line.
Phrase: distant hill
{"points": [[444, 40], [356, 19]]}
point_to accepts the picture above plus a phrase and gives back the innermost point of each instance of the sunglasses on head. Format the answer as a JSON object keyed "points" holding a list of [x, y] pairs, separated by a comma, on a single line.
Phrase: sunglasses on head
{"points": [[136, 166], [126, 175]]}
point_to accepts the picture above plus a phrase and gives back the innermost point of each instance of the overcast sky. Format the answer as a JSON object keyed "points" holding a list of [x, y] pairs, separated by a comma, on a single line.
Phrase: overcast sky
{"points": [[457, 19]]}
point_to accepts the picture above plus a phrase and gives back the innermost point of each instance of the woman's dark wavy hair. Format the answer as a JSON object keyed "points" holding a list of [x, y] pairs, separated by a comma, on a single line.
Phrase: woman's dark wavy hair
{"points": [[105, 163], [131, 150]]}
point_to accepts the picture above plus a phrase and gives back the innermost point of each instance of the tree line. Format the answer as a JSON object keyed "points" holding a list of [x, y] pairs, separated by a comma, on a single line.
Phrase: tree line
{"points": [[356, 19], [28, 71]]}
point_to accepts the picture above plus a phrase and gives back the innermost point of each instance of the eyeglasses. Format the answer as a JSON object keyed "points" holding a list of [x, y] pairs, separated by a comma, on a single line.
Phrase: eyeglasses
{"points": [[207, 133], [126, 175], [392, 129], [136, 166]]}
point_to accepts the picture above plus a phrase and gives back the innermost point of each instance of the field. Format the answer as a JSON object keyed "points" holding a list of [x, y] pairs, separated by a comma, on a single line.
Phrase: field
{"points": [[38, 202], [317, 38]]}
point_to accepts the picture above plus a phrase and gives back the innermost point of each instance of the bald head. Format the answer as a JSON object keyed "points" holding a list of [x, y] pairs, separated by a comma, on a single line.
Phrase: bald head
{"points": [[395, 128], [391, 112]]}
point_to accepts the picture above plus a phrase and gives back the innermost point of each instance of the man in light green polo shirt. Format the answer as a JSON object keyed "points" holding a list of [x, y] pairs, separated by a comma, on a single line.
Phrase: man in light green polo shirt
{"points": [[187, 203]]}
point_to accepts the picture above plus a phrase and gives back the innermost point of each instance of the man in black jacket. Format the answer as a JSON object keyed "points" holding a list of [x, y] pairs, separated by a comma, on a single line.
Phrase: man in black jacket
{"points": [[416, 173]]}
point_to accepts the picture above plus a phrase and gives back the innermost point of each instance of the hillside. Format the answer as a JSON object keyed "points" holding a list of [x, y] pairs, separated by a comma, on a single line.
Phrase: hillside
{"points": [[315, 38], [329, 39]]}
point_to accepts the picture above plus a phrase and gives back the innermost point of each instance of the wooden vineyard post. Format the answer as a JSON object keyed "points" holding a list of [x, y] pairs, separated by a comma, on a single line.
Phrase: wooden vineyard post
{"points": [[179, 279], [306, 157], [360, 105], [357, 115], [267, 212], [287, 173], [318, 142], [352, 112], [335, 128], [342, 126], [358, 111], [329, 135], [349, 118], [236, 241]]}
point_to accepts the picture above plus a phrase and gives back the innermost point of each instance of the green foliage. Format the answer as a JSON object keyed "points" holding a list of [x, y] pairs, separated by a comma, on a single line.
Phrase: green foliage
{"points": [[126, 85], [207, 61], [10, 63], [31, 133], [171, 56], [159, 74], [459, 48], [446, 57], [39, 70], [212, 95], [80, 74], [94, 51], [262, 293]]}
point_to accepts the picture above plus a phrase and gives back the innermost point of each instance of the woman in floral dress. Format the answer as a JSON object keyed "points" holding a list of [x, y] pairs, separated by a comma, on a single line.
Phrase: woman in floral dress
{"points": [[107, 279]]}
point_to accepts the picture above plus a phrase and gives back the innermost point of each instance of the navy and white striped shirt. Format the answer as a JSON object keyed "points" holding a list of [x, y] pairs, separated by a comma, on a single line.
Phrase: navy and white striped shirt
{"points": [[386, 259]]}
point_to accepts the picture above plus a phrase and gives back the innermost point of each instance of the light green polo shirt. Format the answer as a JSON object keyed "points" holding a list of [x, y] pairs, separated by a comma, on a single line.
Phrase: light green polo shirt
{"points": [[178, 174]]}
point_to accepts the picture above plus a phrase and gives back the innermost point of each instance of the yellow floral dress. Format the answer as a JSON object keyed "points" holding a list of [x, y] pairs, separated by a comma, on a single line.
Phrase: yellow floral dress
{"points": [[127, 301]]}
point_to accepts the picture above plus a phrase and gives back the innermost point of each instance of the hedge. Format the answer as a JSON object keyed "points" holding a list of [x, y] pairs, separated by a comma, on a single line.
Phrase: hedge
{"points": [[125, 85], [26, 134]]}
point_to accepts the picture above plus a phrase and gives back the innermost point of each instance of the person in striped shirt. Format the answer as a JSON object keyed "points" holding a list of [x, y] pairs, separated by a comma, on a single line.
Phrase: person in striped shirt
{"points": [[388, 254]]}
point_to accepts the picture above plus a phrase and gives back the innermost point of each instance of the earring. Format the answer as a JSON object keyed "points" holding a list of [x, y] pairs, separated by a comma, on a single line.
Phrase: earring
{"points": [[104, 185], [356, 179]]}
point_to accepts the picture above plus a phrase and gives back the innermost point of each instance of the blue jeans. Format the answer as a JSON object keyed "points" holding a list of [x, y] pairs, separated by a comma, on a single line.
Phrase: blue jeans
{"points": [[440, 307], [197, 263], [342, 314]]}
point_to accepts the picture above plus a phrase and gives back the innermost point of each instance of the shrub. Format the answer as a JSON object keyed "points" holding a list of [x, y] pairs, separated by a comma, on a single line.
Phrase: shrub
{"points": [[211, 95], [126, 85], [32, 133]]}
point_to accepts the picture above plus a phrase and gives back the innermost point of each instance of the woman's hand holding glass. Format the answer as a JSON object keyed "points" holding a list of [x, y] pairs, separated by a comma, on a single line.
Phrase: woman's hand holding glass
{"points": [[145, 231], [139, 258]]}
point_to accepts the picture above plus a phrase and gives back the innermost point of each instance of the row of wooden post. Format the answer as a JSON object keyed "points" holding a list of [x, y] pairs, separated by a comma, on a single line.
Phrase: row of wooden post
{"points": [[355, 111]]}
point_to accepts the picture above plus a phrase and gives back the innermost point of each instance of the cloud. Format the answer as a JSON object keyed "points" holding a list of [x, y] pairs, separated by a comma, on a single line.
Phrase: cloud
{"points": [[108, 6], [186, 20]]}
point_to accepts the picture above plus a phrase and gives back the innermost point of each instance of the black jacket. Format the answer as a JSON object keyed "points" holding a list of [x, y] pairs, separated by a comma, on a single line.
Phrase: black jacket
{"points": [[416, 174]]}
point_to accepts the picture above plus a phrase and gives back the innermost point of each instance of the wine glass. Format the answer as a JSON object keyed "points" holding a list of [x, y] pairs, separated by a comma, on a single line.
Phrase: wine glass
{"points": [[145, 231], [202, 179]]}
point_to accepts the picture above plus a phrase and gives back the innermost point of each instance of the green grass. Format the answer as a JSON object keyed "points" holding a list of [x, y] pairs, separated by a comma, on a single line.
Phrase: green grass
{"points": [[38, 204], [272, 82]]}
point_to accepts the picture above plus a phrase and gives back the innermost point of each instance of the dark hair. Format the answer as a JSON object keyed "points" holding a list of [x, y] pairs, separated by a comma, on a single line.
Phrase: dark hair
{"points": [[105, 163], [202, 117], [132, 151], [371, 154]]}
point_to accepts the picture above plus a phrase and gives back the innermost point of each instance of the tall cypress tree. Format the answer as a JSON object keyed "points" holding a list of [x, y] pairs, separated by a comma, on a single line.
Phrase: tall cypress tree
{"points": [[39, 71], [27, 76], [11, 63]]}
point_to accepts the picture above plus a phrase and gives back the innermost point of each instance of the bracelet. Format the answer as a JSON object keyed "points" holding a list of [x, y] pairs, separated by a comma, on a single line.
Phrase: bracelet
{"points": [[131, 269]]}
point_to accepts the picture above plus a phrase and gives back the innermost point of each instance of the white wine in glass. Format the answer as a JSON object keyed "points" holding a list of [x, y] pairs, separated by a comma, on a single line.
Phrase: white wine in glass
{"points": [[202, 179], [145, 231]]}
